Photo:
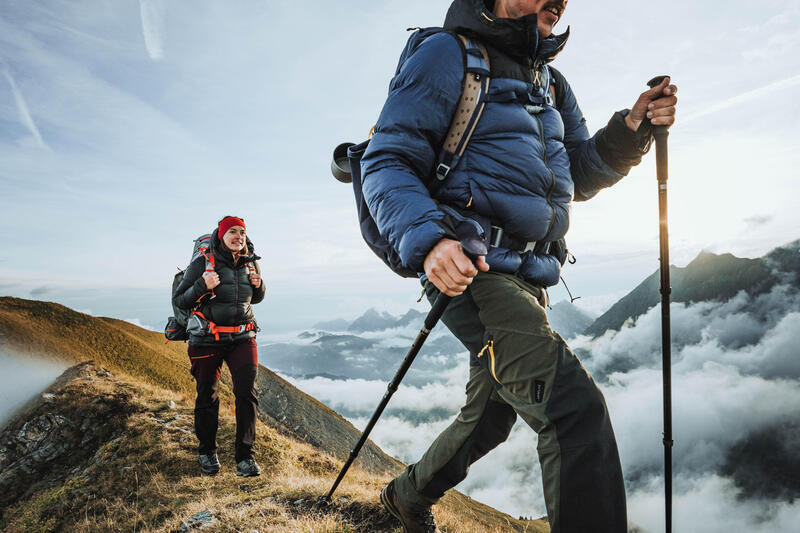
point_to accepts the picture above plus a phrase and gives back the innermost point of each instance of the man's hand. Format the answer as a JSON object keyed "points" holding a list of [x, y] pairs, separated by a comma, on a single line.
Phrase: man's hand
{"points": [[449, 269], [255, 280], [211, 279], [657, 104]]}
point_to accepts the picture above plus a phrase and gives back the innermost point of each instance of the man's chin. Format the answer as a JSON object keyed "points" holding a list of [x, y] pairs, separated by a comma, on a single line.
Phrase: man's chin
{"points": [[546, 32]]}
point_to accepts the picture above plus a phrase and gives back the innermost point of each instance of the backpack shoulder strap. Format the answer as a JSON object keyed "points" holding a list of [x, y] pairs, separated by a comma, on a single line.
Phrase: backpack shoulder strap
{"points": [[202, 246], [477, 76], [557, 86]]}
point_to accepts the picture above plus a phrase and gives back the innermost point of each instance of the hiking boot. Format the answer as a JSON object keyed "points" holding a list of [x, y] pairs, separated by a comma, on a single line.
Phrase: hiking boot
{"points": [[248, 468], [209, 464], [412, 520]]}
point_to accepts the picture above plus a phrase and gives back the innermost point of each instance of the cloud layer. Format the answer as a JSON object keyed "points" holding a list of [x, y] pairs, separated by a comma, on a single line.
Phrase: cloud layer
{"points": [[735, 378], [22, 379]]}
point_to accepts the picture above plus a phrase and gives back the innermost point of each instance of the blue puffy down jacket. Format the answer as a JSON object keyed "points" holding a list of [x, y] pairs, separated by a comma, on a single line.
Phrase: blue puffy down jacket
{"points": [[524, 164]]}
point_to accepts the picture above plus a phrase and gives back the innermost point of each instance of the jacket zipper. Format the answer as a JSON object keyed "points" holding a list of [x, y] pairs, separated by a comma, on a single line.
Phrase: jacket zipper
{"points": [[236, 293], [552, 178]]}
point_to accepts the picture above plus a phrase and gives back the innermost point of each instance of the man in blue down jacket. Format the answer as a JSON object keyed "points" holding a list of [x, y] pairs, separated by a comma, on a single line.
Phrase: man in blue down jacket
{"points": [[528, 158]]}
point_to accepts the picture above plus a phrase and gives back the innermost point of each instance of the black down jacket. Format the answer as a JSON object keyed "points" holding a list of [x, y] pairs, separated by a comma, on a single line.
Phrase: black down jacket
{"points": [[231, 305]]}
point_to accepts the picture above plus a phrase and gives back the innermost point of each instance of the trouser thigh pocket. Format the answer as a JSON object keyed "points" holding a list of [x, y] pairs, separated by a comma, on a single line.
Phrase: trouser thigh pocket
{"points": [[523, 364]]}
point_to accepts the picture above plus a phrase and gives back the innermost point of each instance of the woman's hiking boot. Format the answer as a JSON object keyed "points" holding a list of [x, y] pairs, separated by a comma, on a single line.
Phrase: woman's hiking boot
{"points": [[248, 468], [413, 520], [209, 464]]}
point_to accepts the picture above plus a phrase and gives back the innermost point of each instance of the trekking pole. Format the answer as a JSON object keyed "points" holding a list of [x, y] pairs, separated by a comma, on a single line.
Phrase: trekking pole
{"points": [[430, 322], [661, 133]]}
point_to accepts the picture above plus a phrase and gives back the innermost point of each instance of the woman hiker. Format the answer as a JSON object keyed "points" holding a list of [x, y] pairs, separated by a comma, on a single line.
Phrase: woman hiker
{"points": [[224, 330]]}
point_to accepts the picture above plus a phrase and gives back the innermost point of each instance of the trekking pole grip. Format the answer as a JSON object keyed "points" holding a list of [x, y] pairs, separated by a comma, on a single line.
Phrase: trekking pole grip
{"points": [[659, 132]]}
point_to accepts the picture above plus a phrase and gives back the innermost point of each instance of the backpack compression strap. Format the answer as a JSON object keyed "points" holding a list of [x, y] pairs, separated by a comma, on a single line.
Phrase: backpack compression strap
{"points": [[470, 106], [209, 256]]}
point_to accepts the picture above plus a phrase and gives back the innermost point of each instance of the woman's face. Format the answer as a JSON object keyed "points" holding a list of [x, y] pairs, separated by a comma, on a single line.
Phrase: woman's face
{"points": [[234, 239]]}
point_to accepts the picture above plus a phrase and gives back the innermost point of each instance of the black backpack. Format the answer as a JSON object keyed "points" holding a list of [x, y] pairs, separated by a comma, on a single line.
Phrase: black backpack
{"points": [[346, 165], [175, 329]]}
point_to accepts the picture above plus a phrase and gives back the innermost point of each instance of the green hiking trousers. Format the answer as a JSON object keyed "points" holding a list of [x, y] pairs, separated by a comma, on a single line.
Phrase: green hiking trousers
{"points": [[519, 366]]}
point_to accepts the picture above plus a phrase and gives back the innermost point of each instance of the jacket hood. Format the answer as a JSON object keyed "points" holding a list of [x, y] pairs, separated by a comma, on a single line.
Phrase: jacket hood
{"points": [[518, 38]]}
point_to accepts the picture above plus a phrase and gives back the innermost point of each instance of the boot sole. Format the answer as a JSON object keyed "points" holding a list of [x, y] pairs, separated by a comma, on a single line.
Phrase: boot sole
{"points": [[242, 474], [387, 504]]}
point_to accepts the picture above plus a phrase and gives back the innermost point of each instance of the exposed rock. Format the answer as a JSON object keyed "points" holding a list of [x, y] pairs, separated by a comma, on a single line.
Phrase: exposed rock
{"points": [[52, 437], [199, 521]]}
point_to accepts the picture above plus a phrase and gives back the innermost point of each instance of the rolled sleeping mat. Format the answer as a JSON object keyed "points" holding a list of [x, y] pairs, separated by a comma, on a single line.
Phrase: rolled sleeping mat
{"points": [[340, 166]]}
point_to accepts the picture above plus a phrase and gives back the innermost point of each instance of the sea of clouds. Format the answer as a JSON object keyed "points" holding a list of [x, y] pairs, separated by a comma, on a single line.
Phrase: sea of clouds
{"points": [[22, 378], [735, 375]]}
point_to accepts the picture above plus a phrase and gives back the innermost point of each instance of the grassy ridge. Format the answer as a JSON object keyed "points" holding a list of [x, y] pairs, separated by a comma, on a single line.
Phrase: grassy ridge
{"points": [[52, 330], [145, 477]]}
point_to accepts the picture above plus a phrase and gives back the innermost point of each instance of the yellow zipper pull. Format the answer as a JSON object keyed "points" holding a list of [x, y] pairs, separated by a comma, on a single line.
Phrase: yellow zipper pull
{"points": [[469, 204], [492, 359], [489, 346]]}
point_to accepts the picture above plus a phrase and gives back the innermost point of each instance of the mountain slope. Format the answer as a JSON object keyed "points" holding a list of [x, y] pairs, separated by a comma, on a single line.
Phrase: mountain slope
{"points": [[567, 319], [52, 330], [112, 450], [708, 277]]}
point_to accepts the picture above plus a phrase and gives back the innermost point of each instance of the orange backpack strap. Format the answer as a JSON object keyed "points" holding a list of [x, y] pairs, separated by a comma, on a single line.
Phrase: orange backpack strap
{"points": [[209, 256]]}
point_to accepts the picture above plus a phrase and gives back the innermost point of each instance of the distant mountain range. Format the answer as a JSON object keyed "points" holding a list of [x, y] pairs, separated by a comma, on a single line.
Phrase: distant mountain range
{"points": [[348, 356], [708, 277], [371, 346]]}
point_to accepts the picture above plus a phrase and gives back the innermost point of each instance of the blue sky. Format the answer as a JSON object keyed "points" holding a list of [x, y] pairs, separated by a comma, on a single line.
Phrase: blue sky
{"points": [[129, 128]]}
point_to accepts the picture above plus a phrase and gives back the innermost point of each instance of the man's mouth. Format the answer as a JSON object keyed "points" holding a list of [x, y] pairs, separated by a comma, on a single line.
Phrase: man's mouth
{"points": [[554, 9]]}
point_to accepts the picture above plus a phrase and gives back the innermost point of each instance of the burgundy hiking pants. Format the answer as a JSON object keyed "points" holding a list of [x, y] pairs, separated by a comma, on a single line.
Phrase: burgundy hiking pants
{"points": [[242, 361]]}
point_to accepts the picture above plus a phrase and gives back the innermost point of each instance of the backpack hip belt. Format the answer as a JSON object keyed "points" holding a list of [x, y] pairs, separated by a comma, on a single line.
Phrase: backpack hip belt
{"points": [[216, 330], [500, 239]]}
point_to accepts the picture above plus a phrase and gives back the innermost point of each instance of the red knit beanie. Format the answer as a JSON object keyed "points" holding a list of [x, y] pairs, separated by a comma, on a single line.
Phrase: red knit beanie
{"points": [[227, 223]]}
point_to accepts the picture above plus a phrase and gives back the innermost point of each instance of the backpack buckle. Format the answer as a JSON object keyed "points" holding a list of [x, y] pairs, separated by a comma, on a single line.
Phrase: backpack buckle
{"points": [[442, 171], [497, 237]]}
